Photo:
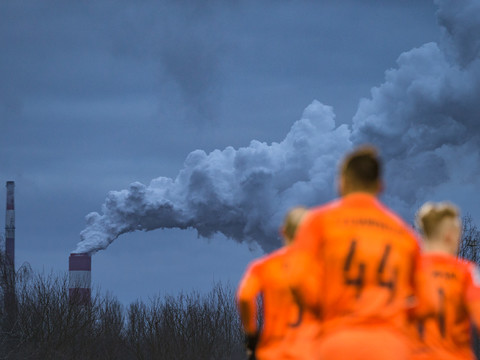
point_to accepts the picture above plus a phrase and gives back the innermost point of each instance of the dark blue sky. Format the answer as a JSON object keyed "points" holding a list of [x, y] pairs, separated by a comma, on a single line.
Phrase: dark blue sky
{"points": [[99, 94]]}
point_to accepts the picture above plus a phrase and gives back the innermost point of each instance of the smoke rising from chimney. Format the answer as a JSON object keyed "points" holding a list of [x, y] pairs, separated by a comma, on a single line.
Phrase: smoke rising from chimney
{"points": [[426, 110], [241, 193]]}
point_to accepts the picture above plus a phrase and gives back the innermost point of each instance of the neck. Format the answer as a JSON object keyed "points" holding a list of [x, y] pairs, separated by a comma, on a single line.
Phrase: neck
{"points": [[364, 191], [437, 246]]}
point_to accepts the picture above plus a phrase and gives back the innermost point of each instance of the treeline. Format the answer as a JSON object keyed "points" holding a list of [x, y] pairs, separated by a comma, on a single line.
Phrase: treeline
{"points": [[470, 250], [470, 245], [38, 320], [47, 325]]}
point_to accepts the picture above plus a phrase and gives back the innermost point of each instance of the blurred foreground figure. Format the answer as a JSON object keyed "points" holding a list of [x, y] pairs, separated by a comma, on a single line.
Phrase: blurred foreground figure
{"points": [[449, 288], [367, 257], [288, 332]]}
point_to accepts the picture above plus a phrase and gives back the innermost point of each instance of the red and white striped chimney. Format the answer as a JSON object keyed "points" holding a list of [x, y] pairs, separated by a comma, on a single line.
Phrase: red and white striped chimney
{"points": [[80, 278], [10, 224]]}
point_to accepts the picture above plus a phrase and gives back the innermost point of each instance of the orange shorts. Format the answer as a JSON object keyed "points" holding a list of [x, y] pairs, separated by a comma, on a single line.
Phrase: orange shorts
{"points": [[364, 344]]}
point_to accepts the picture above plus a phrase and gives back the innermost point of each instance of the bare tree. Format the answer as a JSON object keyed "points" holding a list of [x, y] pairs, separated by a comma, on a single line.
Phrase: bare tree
{"points": [[189, 326], [8, 306], [470, 244], [109, 330], [470, 250], [50, 325]]}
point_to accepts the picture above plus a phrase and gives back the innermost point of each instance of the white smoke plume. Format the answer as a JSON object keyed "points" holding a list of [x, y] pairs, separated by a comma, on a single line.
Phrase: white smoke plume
{"points": [[428, 107], [241, 193], [424, 118]]}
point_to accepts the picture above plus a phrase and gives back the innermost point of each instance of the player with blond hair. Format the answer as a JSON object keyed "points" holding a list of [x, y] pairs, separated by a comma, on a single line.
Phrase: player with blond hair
{"points": [[288, 332], [366, 257], [448, 288]]}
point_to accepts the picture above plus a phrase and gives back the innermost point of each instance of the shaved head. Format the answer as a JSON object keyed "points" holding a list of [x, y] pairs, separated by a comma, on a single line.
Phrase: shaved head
{"points": [[361, 171]]}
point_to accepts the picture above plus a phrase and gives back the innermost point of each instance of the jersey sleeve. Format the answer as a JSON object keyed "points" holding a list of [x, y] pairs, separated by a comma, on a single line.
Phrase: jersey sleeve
{"points": [[472, 293], [247, 293]]}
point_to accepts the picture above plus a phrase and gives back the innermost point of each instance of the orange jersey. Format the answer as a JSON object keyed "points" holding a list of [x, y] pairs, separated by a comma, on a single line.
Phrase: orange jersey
{"points": [[449, 297], [288, 332], [367, 258]]}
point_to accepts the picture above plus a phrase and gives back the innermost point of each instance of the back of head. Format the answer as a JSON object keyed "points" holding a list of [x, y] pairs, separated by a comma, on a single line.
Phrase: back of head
{"points": [[431, 216], [361, 171], [291, 222]]}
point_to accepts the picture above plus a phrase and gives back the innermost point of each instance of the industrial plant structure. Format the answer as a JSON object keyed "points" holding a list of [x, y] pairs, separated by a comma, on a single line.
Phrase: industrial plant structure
{"points": [[8, 277], [80, 270], [10, 225], [79, 265]]}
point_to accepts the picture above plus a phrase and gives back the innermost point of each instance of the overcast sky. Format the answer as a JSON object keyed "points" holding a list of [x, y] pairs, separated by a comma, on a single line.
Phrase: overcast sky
{"points": [[97, 95]]}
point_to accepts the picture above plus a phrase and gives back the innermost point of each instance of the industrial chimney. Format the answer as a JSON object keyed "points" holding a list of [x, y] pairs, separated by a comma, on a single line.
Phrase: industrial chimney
{"points": [[80, 278], [10, 302], [10, 225]]}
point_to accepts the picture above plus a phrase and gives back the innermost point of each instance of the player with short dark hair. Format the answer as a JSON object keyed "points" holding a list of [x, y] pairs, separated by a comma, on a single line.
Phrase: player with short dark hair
{"points": [[361, 171], [366, 257], [288, 332], [448, 289]]}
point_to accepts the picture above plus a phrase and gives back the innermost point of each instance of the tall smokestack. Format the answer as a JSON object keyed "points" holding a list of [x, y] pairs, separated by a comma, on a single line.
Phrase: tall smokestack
{"points": [[10, 302], [10, 224], [80, 277]]}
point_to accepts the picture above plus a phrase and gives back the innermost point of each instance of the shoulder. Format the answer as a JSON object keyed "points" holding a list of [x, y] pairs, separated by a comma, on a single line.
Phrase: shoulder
{"points": [[400, 225], [464, 265], [471, 281], [330, 206], [275, 256], [316, 213], [395, 218], [471, 269], [463, 268], [258, 264], [254, 267]]}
